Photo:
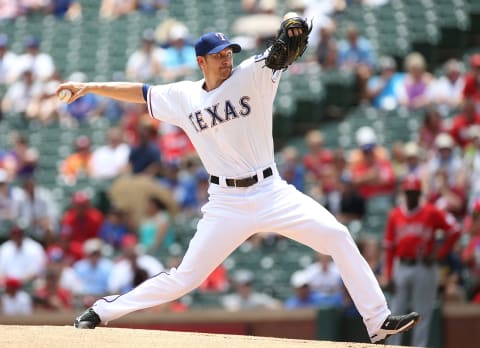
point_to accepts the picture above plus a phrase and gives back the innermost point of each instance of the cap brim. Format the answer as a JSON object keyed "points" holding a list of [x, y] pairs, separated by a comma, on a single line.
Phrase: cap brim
{"points": [[412, 189], [235, 48], [368, 147]]}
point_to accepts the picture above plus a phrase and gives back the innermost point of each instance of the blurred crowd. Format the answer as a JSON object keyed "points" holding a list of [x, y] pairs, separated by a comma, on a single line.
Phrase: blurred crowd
{"points": [[72, 9], [30, 78], [54, 257]]}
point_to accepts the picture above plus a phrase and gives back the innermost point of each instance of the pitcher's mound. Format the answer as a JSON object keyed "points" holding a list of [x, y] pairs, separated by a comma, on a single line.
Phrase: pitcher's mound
{"points": [[68, 337]]}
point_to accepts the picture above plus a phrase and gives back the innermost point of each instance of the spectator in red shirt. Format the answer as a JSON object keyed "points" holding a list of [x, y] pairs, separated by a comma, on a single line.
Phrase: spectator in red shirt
{"points": [[81, 221], [411, 253], [318, 166], [217, 281], [372, 172], [51, 296], [174, 144], [472, 81], [463, 121]]}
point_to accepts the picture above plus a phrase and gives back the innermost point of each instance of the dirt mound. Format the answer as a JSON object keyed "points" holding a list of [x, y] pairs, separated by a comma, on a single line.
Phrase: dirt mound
{"points": [[16, 336]]}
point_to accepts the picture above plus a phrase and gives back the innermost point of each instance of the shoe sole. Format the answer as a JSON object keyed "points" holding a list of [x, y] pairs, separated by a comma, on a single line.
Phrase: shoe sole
{"points": [[408, 326], [83, 325], [404, 328]]}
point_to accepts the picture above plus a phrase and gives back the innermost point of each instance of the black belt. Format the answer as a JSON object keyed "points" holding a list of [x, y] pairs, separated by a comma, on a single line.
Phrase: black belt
{"points": [[427, 261], [244, 182]]}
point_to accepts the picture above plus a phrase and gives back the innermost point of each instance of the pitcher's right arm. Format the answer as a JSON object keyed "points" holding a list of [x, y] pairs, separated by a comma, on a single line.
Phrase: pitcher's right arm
{"points": [[124, 91]]}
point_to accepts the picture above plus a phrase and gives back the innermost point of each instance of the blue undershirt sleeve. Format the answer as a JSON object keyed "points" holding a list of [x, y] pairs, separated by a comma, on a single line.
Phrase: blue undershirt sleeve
{"points": [[145, 88]]}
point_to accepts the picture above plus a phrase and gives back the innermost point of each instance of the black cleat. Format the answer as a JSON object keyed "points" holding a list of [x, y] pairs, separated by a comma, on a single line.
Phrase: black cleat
{"points": [[88, 320], [395, 324]]}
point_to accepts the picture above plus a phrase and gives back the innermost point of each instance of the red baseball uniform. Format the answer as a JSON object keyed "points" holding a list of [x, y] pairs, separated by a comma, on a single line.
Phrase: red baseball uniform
{"points": [[411, 235]]}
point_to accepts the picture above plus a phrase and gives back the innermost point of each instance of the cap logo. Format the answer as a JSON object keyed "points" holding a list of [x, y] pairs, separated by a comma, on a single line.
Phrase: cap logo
{"points": [[220, 36], [214, 42]]}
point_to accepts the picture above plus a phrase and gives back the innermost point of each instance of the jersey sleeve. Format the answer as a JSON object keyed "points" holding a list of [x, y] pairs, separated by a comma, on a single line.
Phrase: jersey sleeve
{"points": [[162, 103], [264, 77]]}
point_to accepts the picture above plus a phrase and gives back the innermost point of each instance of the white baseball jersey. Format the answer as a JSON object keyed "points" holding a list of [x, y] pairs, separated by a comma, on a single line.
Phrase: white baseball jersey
{"points": [[230, 126]]}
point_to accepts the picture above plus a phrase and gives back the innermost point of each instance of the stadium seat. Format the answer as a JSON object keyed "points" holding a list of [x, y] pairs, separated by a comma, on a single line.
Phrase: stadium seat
{"points": [[206, 300]]}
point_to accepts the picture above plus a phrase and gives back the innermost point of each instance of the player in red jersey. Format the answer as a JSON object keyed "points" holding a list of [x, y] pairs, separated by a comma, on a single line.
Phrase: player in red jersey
{"points": [[411, 255]]}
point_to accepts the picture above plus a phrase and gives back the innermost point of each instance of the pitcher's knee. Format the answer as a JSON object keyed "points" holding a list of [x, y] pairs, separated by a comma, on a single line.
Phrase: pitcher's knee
{"points": [[191, 280], [338, 238]]}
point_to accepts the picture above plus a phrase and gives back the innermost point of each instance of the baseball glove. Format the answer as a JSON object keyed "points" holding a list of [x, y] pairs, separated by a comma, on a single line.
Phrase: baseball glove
{"points": [[285, 50]]}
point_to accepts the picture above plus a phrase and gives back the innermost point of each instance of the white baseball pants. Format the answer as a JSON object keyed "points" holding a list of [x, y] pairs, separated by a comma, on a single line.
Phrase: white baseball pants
{"points": [[234, 214]]}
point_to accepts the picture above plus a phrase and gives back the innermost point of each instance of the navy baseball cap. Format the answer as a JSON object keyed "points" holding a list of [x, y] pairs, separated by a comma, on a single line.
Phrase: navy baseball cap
{"points": [[211, 43], [3, 40], [32, 41]]}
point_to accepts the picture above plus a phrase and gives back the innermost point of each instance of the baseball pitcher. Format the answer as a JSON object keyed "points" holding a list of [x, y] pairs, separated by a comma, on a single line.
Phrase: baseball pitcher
{"points": [[228, 117]]}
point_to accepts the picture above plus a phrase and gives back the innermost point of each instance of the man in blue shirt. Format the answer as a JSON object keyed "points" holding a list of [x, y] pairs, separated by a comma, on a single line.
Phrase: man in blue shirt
{"points": [[94, 270], [146, 157], [305, 297], [381, 88], [355, 50], [180, 59], [356, 54]]}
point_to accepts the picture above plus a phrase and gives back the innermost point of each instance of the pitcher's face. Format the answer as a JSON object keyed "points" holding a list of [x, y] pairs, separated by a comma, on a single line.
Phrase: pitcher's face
{"points": [[218, 64]]}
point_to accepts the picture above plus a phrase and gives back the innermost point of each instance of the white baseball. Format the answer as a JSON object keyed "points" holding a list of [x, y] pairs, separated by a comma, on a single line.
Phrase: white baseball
{"points": [[65, 95], [290, 15]]}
